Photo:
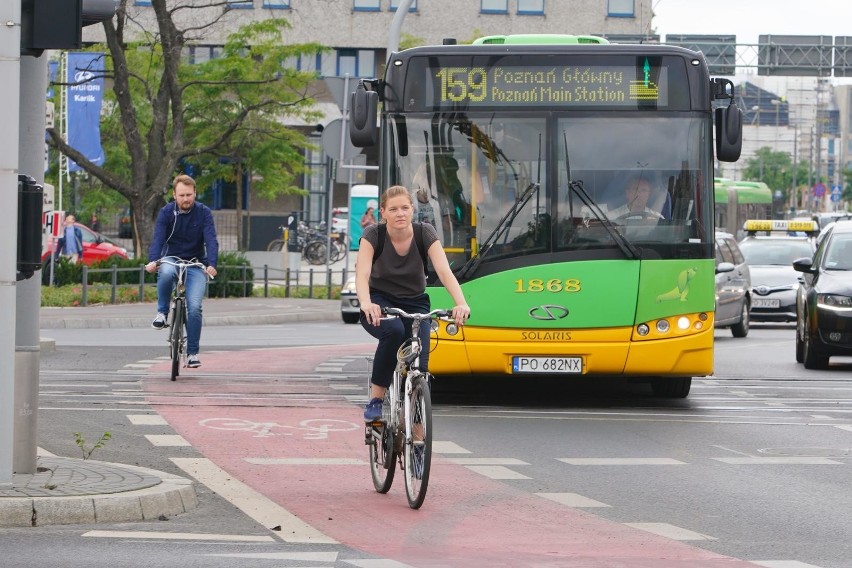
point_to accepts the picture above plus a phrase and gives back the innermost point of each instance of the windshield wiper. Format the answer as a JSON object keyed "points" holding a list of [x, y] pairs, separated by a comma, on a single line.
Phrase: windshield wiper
{"points": [[625, 245], [505, 223]]}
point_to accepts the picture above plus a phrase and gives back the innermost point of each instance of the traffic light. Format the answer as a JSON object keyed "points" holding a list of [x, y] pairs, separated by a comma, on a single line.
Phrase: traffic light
{"points": [[57, 24], [30, 203]]}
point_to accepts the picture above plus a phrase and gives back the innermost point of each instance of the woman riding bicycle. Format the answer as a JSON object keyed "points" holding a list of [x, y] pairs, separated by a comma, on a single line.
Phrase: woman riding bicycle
{"points": [[395, 278]]}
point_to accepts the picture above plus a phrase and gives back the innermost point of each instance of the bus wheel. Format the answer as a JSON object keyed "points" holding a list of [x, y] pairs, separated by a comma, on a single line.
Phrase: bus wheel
{"points": [[671, 387]]}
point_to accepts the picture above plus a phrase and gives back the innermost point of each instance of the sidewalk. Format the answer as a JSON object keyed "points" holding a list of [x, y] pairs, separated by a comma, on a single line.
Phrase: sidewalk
{"points": [[69, 491]]}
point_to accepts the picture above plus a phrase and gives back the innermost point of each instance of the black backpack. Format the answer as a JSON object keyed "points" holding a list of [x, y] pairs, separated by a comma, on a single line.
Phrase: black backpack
{"points": [[418, 238]]}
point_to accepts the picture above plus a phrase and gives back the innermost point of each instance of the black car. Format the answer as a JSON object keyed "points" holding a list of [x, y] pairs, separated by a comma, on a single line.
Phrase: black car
{"points": [[824, 300]]}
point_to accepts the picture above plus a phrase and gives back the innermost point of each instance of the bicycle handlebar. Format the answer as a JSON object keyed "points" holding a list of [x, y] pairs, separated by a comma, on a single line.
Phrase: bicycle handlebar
{"points": [[396, 312], [180, 263]]}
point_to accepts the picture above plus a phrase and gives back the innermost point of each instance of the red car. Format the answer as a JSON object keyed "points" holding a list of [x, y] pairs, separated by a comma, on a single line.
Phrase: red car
{"points": [[96, 247]]}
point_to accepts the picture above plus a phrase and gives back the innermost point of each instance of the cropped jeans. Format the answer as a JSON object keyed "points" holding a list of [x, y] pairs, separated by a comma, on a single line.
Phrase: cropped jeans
{"points": [[391, 333], [196, 283]]}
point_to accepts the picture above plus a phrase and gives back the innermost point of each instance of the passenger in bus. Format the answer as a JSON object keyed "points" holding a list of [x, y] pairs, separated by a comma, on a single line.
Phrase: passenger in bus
{"points": [[637, 192]]}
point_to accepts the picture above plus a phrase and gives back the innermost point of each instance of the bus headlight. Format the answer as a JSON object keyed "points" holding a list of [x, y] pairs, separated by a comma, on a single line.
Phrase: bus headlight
{"points": [[663, 326], [643, 329], [683, 322]]}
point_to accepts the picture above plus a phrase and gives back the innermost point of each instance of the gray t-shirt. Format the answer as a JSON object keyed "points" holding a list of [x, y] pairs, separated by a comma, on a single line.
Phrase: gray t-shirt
{"points": [[399, 275]]}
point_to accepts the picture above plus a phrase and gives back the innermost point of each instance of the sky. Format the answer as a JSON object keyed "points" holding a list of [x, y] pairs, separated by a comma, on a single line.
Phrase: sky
{"points": [[748, 19]]}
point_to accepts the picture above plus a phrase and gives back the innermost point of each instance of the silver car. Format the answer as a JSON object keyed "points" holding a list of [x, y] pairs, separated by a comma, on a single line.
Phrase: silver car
{"points": [[733, 286], [773, 280], [350, 308]]}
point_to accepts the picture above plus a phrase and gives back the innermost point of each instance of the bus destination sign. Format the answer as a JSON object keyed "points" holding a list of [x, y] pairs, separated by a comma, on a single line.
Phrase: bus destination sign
{"points": [[573, 85]]}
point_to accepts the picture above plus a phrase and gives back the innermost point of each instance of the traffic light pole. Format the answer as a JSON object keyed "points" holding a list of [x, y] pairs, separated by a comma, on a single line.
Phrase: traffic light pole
{"points": [[28, 294], [10, 70]]}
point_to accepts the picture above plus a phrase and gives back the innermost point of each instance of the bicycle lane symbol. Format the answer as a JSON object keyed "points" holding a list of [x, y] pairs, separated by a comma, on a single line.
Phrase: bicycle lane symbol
{"points": [[311, 429]]}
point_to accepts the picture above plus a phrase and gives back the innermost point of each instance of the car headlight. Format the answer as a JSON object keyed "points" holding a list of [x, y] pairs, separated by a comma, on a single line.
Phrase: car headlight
{"points": [[349, 287], [834, 301]]}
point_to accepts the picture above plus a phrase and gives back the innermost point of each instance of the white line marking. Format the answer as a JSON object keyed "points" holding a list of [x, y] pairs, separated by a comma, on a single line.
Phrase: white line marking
{"points": [[308, 556], [178, 536], [782, 460], [783, 564], [572, 500], [252, 503], [447, 447], [378, 563], [137, 365], [621, 461], [670, 531], [822, 417], [147, 420], [732, 450], [346, 387], [847, 427], [166, 440], [305, 461], [487, 461], [496, 472]]}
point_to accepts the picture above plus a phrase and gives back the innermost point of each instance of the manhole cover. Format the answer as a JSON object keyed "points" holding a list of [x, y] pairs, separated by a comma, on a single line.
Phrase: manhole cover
{"points": [[808, 452]]}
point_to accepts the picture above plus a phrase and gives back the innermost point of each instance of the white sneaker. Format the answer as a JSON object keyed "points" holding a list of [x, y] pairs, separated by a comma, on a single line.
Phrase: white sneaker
{"points": [[192, 362], [159, 321]]}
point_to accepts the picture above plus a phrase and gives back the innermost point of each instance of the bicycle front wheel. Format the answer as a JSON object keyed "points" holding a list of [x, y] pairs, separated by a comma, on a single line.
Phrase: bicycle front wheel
{"points": [[383, 448], [176, 336], [418, 453], [316, 252]]}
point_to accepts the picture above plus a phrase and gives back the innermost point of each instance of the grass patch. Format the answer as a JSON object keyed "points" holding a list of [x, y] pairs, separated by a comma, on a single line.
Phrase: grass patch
{"points": [[72, 295]]}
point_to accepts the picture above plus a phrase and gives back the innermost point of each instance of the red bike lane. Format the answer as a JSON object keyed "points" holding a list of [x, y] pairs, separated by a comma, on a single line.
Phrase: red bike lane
{"points": [[301, 445]]}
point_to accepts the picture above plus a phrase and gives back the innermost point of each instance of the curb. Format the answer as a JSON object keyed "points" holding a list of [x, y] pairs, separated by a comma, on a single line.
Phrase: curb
{"points": [[171, 496]]}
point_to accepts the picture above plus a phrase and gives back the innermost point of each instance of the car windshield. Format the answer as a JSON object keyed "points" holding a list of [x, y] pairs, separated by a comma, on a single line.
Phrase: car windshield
{"points": [[772, 252]]}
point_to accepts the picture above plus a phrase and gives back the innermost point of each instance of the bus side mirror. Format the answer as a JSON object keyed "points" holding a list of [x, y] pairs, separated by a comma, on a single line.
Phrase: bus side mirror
{"points": [[363, 130], [729, 133]]}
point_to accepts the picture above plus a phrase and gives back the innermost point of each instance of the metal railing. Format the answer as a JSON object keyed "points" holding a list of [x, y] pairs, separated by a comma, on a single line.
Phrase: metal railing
{"points": [[311, 283]]}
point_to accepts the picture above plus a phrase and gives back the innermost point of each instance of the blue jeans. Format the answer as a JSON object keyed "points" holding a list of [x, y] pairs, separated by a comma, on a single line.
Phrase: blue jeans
{"points": [[196, 283], [392, 332]]}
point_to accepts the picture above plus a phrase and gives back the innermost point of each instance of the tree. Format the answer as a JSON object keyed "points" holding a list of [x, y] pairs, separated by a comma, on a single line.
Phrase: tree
{"points": [[168, 113], [775, 169]]}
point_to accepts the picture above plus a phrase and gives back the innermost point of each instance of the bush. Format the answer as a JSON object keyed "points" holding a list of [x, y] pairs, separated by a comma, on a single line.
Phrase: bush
{"points": [[65, 272], [229, 280]]}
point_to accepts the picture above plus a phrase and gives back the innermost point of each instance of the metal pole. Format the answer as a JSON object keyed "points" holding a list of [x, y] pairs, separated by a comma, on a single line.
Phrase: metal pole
{"points": [[795, 199], [396, 27], [10, 70], [27, 343]]}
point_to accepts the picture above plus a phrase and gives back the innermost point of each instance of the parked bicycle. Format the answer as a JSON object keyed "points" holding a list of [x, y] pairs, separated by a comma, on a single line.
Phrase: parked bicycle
{"points": [[404, 432], [177, 312], [313, 243]]}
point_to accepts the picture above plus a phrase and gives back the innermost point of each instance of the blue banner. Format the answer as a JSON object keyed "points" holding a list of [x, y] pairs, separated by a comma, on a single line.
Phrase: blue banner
{"points": [[85, 75]]}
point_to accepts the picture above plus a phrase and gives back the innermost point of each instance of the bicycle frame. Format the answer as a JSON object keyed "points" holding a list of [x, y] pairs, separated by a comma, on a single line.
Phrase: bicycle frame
{"points": [[178, 331], [394, 437]]}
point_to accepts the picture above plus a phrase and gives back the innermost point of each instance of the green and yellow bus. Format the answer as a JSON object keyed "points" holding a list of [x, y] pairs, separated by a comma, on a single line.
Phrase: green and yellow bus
{"points": [[738, 201], [521, 149]]}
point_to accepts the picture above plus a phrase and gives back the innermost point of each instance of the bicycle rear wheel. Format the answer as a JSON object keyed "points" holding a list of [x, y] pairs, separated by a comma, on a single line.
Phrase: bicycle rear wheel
{"points": [[176, 336], [383, 449], [418, 454], [316, 252], [276, 245]]}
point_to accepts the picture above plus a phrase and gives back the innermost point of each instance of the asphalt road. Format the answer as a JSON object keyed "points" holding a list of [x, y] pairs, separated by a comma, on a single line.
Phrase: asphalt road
{"points": [[754, 465]]}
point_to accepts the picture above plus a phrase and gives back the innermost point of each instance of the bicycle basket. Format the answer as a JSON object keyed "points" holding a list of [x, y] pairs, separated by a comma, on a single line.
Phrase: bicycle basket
{"points": [[409, 350]]}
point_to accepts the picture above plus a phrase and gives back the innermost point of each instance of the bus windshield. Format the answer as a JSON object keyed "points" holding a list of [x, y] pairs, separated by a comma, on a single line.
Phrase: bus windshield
{"points": [[504, 185]]}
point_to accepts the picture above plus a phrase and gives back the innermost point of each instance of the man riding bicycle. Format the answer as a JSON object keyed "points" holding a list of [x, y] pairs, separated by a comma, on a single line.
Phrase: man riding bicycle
{"points": [[184, 230]]}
